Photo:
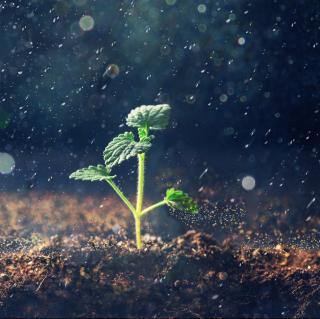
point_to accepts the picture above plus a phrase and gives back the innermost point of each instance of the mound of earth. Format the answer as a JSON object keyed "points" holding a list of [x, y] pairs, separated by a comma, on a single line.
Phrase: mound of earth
{"points": [[63, 256], [190, 276]]}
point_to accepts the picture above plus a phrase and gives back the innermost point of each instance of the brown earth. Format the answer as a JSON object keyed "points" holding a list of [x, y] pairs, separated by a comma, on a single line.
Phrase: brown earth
{"points": [[61, 257]]}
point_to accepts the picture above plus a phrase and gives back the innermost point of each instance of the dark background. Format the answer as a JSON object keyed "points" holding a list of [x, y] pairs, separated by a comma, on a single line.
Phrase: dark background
{"points": [[237, 109]]}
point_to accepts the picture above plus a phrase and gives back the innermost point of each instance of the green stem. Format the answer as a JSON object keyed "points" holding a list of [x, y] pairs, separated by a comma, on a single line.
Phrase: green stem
{"points": [[121, 195], [152, 207], [140, 191], [138, 232], [141, 158]]}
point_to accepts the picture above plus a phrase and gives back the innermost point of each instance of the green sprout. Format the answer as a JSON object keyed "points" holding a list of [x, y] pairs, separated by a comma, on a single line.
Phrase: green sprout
{"points": [[144, 118]]}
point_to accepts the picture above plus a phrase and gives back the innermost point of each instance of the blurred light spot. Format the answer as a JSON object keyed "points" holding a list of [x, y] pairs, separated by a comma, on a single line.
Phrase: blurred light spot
{"points": [[232, 16], [171, 2], [243, 99], [223, 98], [228, 131], [248, 183], [112, 71], [86, 23], [202, 27], [79, 3], [7, 163], [241, 41], [202, 8], [4, 118]]}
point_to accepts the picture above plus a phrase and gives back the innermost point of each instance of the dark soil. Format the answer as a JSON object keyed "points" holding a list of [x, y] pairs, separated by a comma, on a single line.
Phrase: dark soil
{"points": [[57, 269]]}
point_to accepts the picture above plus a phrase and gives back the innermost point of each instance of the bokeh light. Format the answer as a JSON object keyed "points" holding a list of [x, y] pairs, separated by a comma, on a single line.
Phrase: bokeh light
{"points": [[248, 183], [86, 23], [7, 163], [112, 71]]}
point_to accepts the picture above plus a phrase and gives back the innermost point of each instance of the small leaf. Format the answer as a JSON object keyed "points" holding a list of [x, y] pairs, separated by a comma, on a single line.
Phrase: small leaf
{"points": [[144, 136], [177, 199], [143, 133], [124, 147], [154, 117], [92, 173]]}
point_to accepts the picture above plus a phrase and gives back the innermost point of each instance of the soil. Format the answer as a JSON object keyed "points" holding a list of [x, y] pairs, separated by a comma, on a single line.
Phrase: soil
{"points": [[61, 257]]}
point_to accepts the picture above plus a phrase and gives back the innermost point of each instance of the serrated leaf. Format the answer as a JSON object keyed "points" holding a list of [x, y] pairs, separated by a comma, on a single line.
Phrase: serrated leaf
{"points": [[92, 173], [122, 148], [154, 117], [177, 199]]}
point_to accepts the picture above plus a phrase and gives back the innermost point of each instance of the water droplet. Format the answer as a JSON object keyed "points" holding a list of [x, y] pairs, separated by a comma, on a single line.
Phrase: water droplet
{"points": [[191, 99], [165, 50]]}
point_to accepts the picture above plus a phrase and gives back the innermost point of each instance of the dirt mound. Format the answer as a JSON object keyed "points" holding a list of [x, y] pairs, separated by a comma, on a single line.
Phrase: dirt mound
{"points": [[66, 256], [190, 276]]}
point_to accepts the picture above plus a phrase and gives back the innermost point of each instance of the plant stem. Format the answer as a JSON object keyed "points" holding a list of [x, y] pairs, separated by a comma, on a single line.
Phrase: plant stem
{"points": [[141, 158], [152, 207], [140, 191], [122, 196], [138, 232]]}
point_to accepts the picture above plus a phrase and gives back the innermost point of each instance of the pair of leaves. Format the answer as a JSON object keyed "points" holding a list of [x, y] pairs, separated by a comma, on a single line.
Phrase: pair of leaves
{"points": [[177, 199], [145, 117], [118, 150], [124, 146]]}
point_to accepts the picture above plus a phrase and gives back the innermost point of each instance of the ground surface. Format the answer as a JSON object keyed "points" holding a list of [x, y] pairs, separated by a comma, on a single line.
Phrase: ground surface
{"points": [[61, 256]]}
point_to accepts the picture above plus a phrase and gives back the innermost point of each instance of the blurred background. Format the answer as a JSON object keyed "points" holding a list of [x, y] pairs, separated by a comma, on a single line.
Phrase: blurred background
{"points": [[241, 76]]}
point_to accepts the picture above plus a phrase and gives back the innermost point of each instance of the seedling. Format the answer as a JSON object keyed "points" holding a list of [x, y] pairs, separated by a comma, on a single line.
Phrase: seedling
{"points": [[145, 118]]}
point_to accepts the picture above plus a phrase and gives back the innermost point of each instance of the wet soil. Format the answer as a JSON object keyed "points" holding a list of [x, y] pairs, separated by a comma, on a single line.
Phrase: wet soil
{"points": [[61, 257]]}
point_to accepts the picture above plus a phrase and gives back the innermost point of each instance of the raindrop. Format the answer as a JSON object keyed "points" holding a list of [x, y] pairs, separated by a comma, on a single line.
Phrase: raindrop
{"points": [[191, 99], [165, 50], [311, 202]]}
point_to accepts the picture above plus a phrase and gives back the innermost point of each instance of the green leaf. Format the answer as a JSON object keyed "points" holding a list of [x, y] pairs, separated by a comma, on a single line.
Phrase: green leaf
{"points": [[177, 199], [122, 148], [143, 135], [153, 117], [93, 173]]}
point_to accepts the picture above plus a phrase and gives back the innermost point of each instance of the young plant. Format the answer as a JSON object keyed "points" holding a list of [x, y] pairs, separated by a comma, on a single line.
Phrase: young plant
{"points": [[145, 119]]}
